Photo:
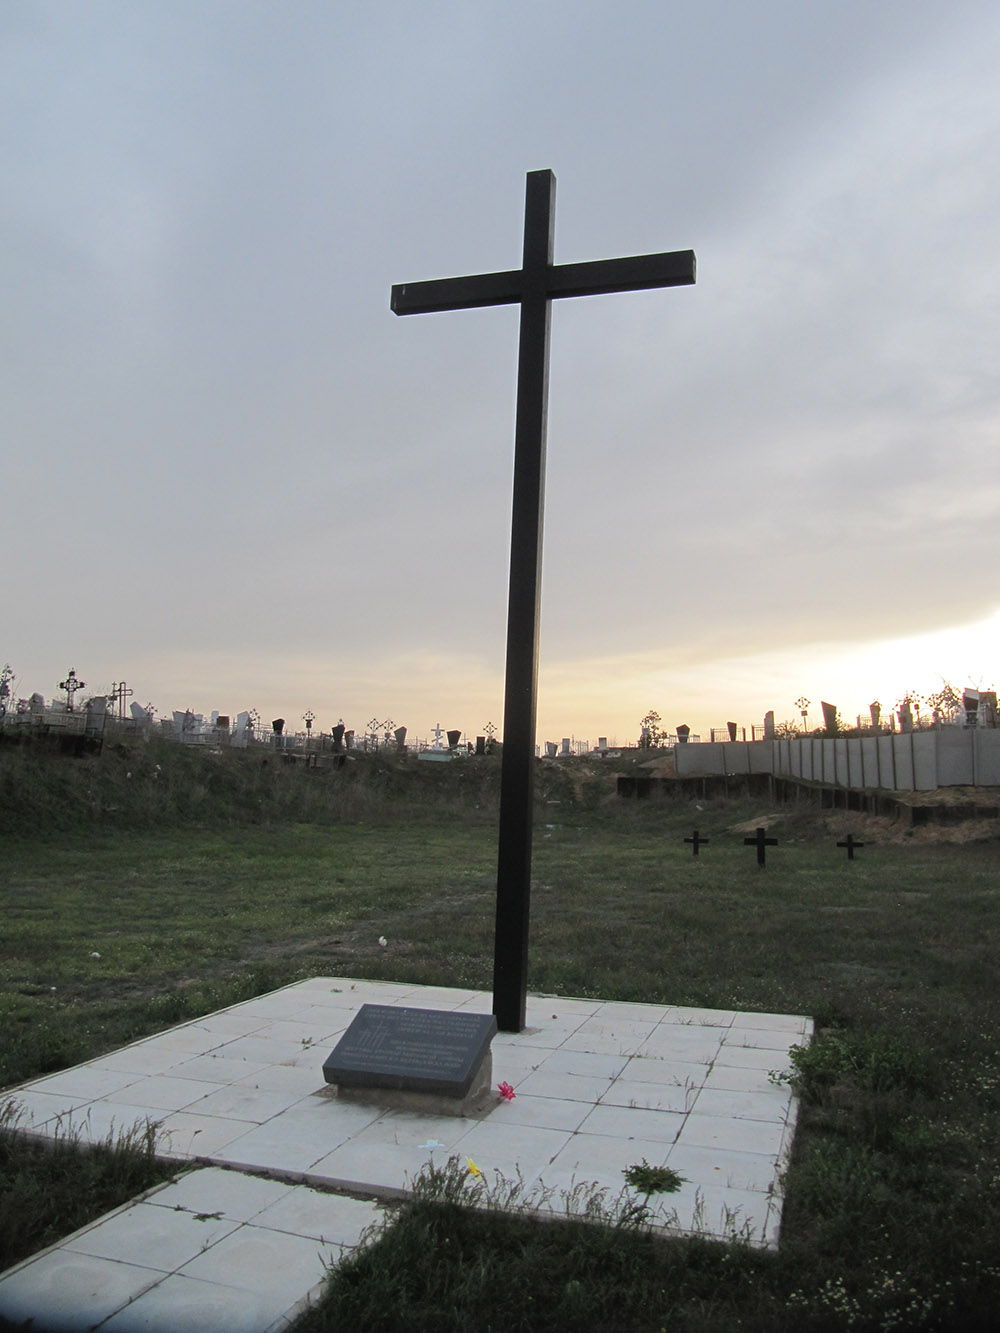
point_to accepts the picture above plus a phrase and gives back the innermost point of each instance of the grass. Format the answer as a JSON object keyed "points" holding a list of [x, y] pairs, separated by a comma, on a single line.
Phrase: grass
{"points": [[892, 1214]]}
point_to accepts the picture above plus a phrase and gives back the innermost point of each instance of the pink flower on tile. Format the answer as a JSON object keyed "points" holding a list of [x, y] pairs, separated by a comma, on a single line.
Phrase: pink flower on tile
{"points": [[506, 1092]]}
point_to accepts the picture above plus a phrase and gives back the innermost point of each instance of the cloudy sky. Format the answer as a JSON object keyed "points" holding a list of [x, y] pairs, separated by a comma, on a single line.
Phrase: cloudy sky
{"points": [[234, 479]]}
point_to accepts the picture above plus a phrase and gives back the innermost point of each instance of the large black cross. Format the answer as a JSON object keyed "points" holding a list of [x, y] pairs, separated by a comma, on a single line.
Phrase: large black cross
{"points": [[533, 286]]}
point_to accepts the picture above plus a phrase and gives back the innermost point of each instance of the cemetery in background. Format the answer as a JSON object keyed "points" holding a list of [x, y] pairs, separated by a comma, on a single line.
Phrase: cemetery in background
{"points": [[956, 742]]}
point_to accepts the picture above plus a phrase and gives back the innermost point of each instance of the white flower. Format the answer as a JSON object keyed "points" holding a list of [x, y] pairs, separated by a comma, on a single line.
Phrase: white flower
{"points": [[95, 955], [383, 941]]}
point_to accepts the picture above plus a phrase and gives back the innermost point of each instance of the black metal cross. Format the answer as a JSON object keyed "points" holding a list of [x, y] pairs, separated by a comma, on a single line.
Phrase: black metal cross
{"points": [[851, 846], [760, 842], [533, 286], [696, 842]]}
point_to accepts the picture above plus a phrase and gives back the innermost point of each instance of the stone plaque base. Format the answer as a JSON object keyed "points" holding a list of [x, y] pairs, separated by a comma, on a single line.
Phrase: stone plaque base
{"points": [[420, 1058], [477, 1103]]}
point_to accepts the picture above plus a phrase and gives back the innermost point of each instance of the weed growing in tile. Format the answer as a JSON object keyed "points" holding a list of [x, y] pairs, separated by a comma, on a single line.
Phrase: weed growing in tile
{"points": [[652, 1179]]}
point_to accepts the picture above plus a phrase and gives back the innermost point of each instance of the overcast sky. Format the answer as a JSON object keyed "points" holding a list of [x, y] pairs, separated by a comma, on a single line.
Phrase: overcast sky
{"points": [[233, 478]]}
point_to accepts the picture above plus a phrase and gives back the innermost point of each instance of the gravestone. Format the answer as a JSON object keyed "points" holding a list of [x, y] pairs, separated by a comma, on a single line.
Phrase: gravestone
{"points": [[602, 742], [731, 727], [875, 709], [550, 749], [769, 725], [338, 738], [453, 738], [988, 707], [905, 716], [431, 1059], [565, 745], [400, 736], [683, 734], [830, 719], [480, 745]]}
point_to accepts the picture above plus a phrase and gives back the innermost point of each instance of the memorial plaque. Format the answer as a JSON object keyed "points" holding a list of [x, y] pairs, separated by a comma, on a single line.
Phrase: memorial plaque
{"points": [[411, 1050]]}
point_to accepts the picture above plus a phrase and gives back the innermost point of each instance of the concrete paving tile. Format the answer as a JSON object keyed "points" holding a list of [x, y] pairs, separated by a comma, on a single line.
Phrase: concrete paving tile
{"points": [[711, 1131], [408, 1129], [788, 1023], [721, 1167], [271, 1264], [148, 1058], [98, 1121], [181, 1304], [151, 1236], [631, 1031], [263, 1050], [583, 1064], [284, 1078], [620, 1011], [88, 1081], [650, 1096], [239, 1101], [770, 1104], [539, 1007], [334, 1219], [184, 1134], [714, 1210], [549, 1037], [165, 1091], [70, 1292], [738, 1078], [512, 1148], [601, 1161], [220, 1068], [767, 1039], [544, 1112], [211, 1189], [299, 1138], [752, 1057], [625, 1122], [598, 1043], [686, 1015], [384, 1168], [241, 1021], [679, 1073], [41, 1108], [694, 1045], [568, 1087]]}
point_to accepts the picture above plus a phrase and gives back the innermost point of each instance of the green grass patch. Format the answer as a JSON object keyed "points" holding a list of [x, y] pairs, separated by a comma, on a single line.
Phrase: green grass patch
{"points": [[115, 927]]}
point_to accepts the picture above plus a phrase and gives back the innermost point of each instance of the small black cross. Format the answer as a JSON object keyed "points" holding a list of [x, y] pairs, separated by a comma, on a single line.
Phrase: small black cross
{"points": [[760, 842], [696, 842], [851, 846]]}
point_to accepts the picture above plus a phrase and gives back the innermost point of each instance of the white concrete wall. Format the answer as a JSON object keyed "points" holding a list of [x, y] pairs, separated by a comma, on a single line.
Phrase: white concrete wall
{"points": [[912, 761]]}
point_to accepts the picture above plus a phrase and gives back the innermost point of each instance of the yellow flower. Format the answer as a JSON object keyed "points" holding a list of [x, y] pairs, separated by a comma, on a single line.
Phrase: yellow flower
{"points": [[473, 1169]]}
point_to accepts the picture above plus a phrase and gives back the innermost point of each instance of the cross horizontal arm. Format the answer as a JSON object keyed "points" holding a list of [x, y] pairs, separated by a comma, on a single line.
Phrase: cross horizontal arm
{"points": [[423, 298], [675, 268]]}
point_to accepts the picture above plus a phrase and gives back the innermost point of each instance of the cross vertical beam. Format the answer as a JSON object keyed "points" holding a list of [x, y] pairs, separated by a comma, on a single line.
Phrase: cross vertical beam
{"points": [[517, 773], [534, 286]]}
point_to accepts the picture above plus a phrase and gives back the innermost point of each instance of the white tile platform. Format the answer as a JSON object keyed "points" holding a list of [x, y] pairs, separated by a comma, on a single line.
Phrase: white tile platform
{"points": [[244, 1243]]}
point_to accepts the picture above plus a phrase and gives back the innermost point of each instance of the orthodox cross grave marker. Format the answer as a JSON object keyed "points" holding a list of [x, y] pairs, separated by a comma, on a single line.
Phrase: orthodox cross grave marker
{"points": [[533, 286], [760, 841], [71, 685]]}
